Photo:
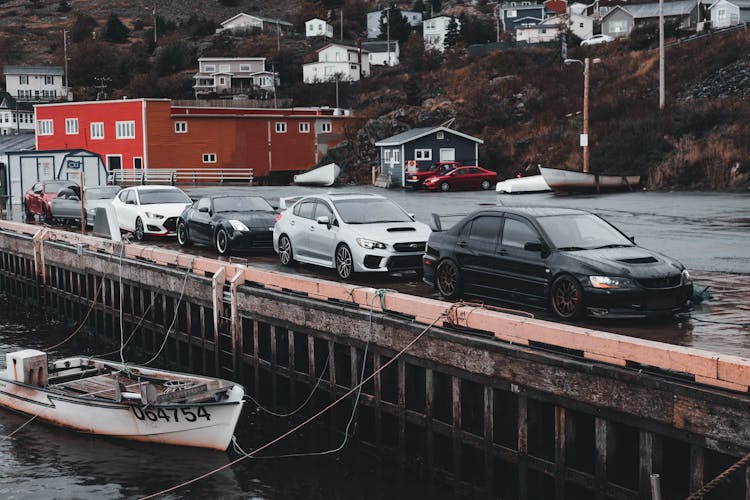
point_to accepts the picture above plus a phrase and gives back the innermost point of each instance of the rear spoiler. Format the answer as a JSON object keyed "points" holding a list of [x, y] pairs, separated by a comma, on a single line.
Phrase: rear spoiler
{"points": [[437, 220], [288, 201]]}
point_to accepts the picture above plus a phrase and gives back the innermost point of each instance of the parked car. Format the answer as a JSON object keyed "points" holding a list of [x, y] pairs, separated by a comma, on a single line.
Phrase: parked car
{"points": [[569, 261], [67, 204], [150, 210], [228, 223], [416, 179], [462, 178], [36, 201], [596, 40], [350, 233]]}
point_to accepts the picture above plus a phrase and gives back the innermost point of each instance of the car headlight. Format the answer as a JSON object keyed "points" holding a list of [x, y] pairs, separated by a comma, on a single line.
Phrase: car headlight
{"points": [[686, 277], [370, 244], [609, 282], [152, 215], [238, 226]]}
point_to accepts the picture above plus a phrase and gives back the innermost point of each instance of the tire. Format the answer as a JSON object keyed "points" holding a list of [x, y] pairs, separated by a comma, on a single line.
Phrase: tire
{"points": [[27, 212], [222, 241], [448, 280], [444, 186], [485, 185], [45, 216], [139, 233], [566, 298], [286, 254], [344, 262], [183, 237]]}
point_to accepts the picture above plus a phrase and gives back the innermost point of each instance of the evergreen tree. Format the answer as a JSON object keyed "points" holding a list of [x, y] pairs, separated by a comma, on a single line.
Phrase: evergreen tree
{"points": [[418, 6], [115, 31], [437, 6], [82, 28], [394, 25], [452, 36]]}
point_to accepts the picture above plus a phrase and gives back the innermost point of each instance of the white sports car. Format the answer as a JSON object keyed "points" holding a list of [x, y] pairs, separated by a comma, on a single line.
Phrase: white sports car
{"points": [[150, 210], [350, 233]]}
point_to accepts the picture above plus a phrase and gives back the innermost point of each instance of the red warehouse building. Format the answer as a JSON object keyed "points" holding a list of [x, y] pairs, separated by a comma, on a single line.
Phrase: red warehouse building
{"points": [[153, 134]]}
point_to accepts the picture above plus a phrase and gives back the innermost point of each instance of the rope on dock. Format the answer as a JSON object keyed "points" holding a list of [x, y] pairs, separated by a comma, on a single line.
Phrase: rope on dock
{"points": [[83, 322], [294, 429], [18, 429], [698, 495]]}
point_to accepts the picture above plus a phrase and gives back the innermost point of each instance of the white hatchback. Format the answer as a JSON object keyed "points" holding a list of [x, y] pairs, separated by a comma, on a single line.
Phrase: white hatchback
{"points": [[350, 233], [596, 40], [150, 210]]}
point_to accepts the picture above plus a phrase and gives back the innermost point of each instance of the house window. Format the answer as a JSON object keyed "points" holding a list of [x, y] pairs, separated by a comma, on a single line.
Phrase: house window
{"points": [[325, 127], [45, 127], [97, 130], [618, 26], [180, 127], [423, 154], [580, 25], [440, 136], [245, 68], [23, 79], [209, 68], [125, 130], [224, 68], [304, 128], [209, 157], [387, 155], [511, 13], [49, 80], [221, 80], [721, 13], [396, 156], [281, 127], [71, 126]]}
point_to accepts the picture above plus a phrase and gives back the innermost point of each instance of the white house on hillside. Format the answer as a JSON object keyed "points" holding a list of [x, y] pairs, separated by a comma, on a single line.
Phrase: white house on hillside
{"points": [[434, 31], [373, 21], [726, 13], [233, 75], [16, 117], [379, 53], [246, 22], [35, 83], [318, 27], [336, 61], [549, 29]]}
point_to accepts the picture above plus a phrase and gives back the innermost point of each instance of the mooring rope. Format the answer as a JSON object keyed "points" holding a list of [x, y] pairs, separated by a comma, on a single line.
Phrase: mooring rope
{"points": [[698, 495], [80, 327], [19, 428], [313, 417]]}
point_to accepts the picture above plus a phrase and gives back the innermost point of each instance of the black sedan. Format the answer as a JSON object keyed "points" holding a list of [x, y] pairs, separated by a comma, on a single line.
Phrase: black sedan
{"points": [[239, 223], [570, 261]]}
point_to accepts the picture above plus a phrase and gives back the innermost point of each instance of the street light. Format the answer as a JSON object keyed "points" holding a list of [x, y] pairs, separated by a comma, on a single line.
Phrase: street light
{"points": [[585, 134]]}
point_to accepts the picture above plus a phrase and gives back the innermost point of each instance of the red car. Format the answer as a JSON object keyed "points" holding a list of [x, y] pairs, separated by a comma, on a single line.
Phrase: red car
{"points": [[462, 178], [415, 179], [36, 200]]}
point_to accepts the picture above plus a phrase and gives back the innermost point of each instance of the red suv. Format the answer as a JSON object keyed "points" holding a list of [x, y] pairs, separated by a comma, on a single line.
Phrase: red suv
{"points": [[415, 179], [36, 200]]}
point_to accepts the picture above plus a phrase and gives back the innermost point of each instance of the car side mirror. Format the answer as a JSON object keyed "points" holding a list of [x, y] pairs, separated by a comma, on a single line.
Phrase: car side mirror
{"points": [[323, 219], [536, 246], [203, 209]]}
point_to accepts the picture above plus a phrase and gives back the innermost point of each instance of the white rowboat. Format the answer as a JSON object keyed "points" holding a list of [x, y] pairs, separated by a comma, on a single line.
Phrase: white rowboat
{"points": [[530, 184], [321, 176], [102, 397], [567, 181]]}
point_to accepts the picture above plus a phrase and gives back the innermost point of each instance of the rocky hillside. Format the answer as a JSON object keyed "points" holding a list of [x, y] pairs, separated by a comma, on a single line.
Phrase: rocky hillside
{"points": [[524, 103]]}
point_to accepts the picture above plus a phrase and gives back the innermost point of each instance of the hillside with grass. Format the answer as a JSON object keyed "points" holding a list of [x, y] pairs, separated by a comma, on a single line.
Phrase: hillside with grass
{"points": [[524, 102]]}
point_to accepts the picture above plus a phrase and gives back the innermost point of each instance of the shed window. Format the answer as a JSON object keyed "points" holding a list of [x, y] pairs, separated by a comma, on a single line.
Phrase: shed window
{"points": [[423, 154]]}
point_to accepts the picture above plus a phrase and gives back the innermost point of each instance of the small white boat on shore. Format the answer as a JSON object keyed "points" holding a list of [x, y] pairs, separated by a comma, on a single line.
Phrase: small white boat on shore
{"points": [[569, 181], [321, 176], [103, 397], [530, 184]]}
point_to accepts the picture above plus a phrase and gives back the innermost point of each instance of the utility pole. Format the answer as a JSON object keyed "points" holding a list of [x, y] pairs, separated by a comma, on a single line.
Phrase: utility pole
{"points": [[101, 88], [585, 139], [154, 12], [65, 55], [661, 55], [273, 79], [342, 22], [278, 36], [497, 20], [388, 32]]}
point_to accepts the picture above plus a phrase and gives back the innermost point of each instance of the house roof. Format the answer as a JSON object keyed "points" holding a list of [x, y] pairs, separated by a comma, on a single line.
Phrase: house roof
{"points": [[212, 59], [315, 19], [649, 10], [742, 4], [20, 142], [416, 133], [380, 46], [27, 70], [7, 101], [259, 18], [347, 47]]}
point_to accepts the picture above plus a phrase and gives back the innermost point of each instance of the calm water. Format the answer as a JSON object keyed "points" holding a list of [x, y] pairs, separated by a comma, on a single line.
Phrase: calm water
{"points": [[40, 461]]}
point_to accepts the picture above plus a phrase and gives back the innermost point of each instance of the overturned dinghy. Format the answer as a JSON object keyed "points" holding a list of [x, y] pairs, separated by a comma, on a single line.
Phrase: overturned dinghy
{"points": [[102, 397], [321, 176], [530, 184]]}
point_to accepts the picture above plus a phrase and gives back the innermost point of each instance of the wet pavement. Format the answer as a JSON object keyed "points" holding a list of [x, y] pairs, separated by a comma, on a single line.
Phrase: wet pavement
{"points": [[708, 232]]}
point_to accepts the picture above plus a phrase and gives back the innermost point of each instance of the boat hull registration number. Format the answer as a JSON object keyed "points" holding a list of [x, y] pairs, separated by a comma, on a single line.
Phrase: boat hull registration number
{"points": [[171, 414]]}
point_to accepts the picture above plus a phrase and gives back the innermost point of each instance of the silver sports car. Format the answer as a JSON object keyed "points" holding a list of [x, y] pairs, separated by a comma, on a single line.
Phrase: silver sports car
{"points": [[67, 205]]}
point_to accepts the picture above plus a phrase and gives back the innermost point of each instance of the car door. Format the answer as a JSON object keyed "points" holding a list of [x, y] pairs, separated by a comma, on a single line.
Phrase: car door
{"points": [[199, 222], [299, 227], [127, 213], [476, 249], [524, 272], [34, 201], [321, 238]]}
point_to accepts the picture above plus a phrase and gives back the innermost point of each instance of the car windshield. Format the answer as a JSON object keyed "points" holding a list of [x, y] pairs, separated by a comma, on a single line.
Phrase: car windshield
{"points": [[103, 193], [240, 204], [54, 187], [581, 232], [370, 211], [156, 196]]}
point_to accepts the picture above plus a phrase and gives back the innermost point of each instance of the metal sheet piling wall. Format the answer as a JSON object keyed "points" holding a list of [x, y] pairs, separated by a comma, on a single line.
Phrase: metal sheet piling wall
{"points": [[488, 403]]}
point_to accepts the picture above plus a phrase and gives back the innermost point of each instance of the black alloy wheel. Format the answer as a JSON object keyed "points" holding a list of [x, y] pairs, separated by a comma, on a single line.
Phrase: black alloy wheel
{"points": [[222, 241], [566, 298], [344, 262], [183, 238], [448, 280], [286, 256], [139, 232]]}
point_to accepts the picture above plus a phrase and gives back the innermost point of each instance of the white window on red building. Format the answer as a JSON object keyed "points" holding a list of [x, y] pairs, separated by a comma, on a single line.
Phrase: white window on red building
{"points": [[209, 157], [71, 126], [304, 128], [281, 127], [125, 130], [97, 130], [45, 127], [180, 127], [325, 127]]}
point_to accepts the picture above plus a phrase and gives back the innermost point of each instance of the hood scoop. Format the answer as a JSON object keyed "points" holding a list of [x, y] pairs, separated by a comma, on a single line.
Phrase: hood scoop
{"points": [[639, 260], [400, 229]]}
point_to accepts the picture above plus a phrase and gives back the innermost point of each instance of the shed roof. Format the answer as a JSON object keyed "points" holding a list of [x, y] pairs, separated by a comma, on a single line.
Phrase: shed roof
{"points": [[416, 133]]}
